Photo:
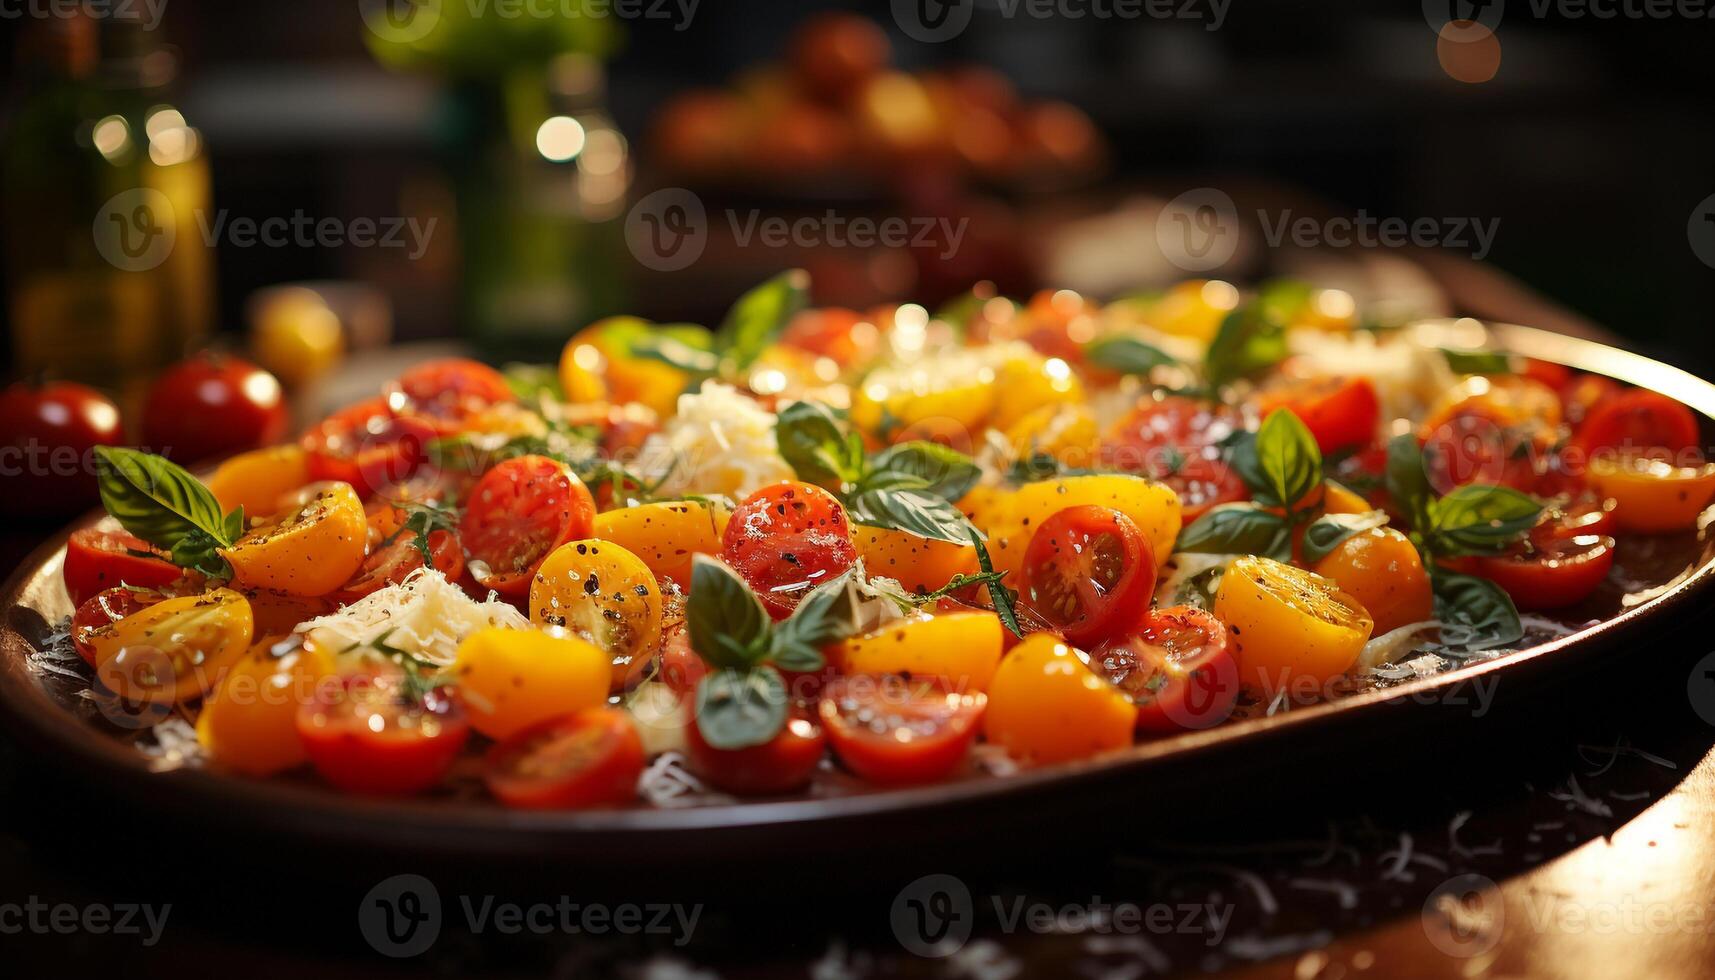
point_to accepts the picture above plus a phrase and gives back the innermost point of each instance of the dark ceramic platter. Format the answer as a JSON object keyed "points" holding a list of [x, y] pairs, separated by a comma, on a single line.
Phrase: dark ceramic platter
{"points": [[45, 713]]}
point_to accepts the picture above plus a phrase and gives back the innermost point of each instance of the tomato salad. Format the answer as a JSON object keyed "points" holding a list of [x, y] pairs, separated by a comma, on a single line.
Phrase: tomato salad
{"points": [[883, 543]]}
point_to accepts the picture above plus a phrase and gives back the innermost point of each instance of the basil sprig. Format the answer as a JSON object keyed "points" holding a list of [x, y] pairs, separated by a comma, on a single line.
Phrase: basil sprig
{"points": [[160, 502], [742, 702], [1127, 355], [1282, 466], [1475, 519], [1477, 361], [910, 487], [753, 322], [1248, 340]]}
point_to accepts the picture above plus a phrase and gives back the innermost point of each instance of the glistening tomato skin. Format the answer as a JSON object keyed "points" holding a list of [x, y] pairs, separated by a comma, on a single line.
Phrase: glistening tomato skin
{"points": [[780, 765], [785, 540], [895, 732], [50, 429], [97, 560], [445, 393], [1637, 421], [365, 735], [1178, 668], [518, 513], [587, 759], [213, 405], [1565, 558], [390, 563], [367, 446], [1088, 570], [104, 609], [1340, 412]]}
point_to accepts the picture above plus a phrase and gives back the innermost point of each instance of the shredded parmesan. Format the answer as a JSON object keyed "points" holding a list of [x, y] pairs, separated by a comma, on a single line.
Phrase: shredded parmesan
{"points": [[425, 615], [720, 441]]}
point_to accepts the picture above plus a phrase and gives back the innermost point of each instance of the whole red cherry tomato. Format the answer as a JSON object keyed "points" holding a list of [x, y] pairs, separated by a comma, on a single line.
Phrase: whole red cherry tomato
{"points": [[213, 405], [46, 434]]}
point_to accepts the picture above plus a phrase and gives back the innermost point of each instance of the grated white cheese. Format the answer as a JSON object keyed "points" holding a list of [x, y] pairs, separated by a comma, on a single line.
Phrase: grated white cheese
{"points": [[720, 441], [424, 615]]}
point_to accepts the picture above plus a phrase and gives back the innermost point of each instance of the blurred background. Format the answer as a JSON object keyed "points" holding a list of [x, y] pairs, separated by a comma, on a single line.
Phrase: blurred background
{"points": [[471, 170]]}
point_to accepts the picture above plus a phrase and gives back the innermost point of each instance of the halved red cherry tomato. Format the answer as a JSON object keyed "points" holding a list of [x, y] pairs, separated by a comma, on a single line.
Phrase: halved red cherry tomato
{"points": [[104, 609], [1340, 412], [841, 334], [447, 392], [785, 540], [1473, 448], [366, 734], [1637, 421], [98, 560], [1580, 395], [894, 731], [1178, 668], [681, 668], [390, 563], [1176, 440], [779, 765], [519, 512], [1087, 570], [367, 446], [1565, 557], [589, 758]]}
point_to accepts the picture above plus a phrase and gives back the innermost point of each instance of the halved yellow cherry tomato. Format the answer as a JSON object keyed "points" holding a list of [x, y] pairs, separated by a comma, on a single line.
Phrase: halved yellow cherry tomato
{"points": [[1068, 433], [1289, 627], [259, 479], [249, 723], [1010, 519], [960, 649], [1504, 399], [1027, 384], [1047, 705], [509, 679], [1652, 496], [665, 535], [175, 650], [602, 593], [1383, 571], [950, 396], [309, 549], [921, 565]]}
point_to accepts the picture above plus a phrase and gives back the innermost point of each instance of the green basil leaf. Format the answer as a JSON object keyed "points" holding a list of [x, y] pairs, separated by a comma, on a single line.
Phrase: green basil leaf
{"points": [[760, 315], [999, 595], [160, 502], [676, 353], [1238, 529], [828, 614], [1128, 355], [814, 445], [944, 472], [916, 511], [728, 624], [1248, 340], [531, 381], [1475, 614], [1239, 449], [1477, 361], [1408, 481], [737, 709], [1288, 458], [1326, 533], [1480, 519]]}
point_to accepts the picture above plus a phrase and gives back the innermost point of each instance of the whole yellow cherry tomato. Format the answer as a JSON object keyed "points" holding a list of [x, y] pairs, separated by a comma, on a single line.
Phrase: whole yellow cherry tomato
{"points": [[602, 593], [1290, 628], [510, 679], [1009, 520], [1046, 705], [666, 534], [1194, 308], [249, 724], [630, 378], [1383, 571], [259, 479], [921, 565], [1653, 496], [310, 549], [961, 649], [582, 370], [175, 650]]}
